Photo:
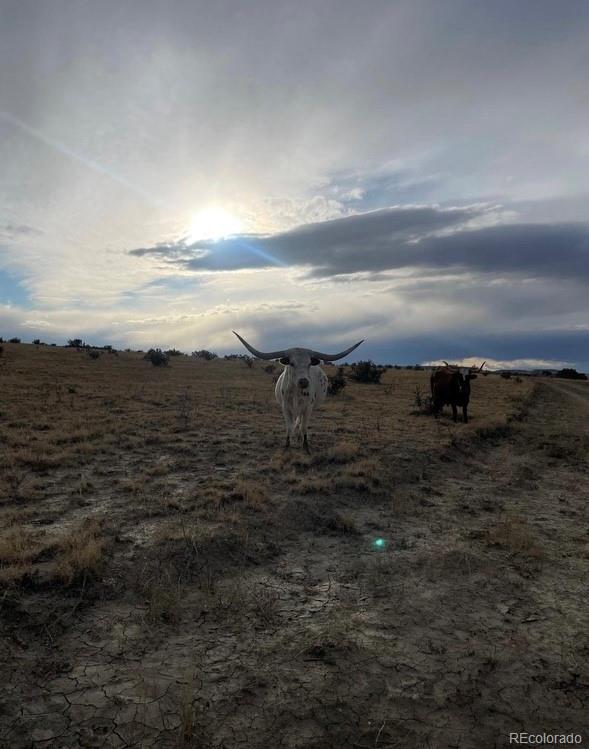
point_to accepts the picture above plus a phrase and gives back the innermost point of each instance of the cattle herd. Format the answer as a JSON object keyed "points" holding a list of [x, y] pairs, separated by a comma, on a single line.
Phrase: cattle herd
{"points": [[303, 385]]}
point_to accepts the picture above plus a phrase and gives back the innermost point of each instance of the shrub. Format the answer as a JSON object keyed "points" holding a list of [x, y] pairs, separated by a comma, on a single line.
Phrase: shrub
{"points": [[337, 382], [571, 374], [93, 354], [14, 340], [248, 360], [38, 342], [269, 368], [1, 350], [506, 375], [204, 354], [366, 371], [157, 357], [174, 352], [75, 343], [423, 402]]}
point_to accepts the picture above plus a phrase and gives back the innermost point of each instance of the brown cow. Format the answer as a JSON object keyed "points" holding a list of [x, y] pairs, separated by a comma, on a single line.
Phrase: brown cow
{"points": [[450, 385]]}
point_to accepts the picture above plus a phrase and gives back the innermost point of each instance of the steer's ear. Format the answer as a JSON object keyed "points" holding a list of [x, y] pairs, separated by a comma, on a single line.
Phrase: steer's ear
{"points": [[315, 361], [285, 360], [471, 377]]}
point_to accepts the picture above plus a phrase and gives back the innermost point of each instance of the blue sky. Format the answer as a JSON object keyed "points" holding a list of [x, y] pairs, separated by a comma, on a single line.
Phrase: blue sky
{"points": [[414, 173]]}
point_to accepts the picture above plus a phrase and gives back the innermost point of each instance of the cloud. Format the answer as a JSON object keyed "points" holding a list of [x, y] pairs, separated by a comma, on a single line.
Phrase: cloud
{"points": [[494, 364], [308, 125], [15, 231], [395, 238]]}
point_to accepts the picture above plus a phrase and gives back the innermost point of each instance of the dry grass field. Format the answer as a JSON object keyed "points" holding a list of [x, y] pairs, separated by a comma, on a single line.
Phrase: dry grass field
{"points": [[170, 577]]}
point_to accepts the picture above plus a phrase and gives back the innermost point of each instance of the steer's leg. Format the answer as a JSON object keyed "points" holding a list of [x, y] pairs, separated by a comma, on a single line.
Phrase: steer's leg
{"points": [[288, 423], [464, 414], [305, 427], [454, 412]]}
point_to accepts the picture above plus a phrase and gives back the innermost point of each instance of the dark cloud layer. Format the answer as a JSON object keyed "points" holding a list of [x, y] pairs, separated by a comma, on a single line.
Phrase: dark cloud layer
{"points": [[559, 345], [398, 238]]}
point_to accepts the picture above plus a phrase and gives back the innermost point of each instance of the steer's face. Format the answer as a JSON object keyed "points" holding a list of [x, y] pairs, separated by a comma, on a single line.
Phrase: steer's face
{"points": [[300, 361], [466, 375]]}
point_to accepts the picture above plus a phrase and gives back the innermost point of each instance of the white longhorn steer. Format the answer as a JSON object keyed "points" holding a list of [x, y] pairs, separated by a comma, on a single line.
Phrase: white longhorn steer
{"points": [[301, 386]]}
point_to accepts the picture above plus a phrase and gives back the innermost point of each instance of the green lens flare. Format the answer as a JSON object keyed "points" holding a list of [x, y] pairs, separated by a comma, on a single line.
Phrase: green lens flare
{"points": [[379, 543]]}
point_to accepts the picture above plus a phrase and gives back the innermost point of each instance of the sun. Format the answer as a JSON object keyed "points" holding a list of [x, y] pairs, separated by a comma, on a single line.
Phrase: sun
{"points": [[213, 223]]}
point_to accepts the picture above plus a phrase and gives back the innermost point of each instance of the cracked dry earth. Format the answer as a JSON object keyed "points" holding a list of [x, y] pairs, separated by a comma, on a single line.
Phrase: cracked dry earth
{"points": [[294, 630]]}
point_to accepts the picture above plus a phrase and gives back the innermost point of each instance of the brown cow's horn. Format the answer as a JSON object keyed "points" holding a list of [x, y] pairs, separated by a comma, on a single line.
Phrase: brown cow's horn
{"points": [[261, 354], [482, 365], [334, 357]]}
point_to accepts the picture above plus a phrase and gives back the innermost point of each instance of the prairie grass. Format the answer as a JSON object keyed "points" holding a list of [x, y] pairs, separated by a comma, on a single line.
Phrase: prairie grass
{"points": [[80, 552], [515, 535]]}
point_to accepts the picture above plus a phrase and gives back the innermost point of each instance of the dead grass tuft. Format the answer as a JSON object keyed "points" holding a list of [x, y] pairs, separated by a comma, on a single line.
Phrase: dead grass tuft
{"points": [[369, 469], [404, 502], [132, 485], [516, 536], [264, 603], [161, 468], [253, 493], [343, 452], [164, 599], [41, 461], [80, 553], [18, 544], [315, 485]]}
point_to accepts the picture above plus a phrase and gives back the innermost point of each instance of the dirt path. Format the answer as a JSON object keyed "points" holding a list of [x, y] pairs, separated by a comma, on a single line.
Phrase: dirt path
{"points": [[578, 391], [444, 612]]}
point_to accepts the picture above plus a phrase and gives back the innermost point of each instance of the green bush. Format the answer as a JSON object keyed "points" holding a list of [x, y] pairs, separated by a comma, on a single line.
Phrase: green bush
{"points": [[157, 357], [571, 374], [204, 354], [337, 382], [367, 372]]}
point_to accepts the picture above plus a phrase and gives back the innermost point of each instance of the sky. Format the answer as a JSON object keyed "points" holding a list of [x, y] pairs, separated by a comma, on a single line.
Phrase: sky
{"points": [[413, 173]]}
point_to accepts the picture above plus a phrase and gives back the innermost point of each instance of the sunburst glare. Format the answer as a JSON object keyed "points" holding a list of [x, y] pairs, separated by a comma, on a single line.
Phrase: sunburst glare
{"points": [[213, 223]]}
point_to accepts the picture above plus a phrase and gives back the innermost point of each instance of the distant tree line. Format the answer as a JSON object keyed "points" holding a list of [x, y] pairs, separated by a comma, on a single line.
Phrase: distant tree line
{"points": [[362, 371], [571, 374]]}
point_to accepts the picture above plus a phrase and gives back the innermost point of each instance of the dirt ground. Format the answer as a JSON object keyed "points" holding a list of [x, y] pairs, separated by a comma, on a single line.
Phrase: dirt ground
{"points": [[170, 577]]}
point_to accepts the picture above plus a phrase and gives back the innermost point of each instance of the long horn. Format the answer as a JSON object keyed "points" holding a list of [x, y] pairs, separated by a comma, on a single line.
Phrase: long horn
{"points": [[482, 365], [334, 357], [450, 366], [261, 354]]}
